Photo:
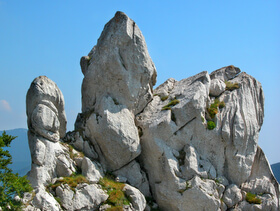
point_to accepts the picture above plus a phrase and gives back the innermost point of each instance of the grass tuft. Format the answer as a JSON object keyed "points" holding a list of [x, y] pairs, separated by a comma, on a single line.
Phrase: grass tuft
{"points": [[114, 189], [252, 198], [163, 98], [170, 104], [72, 181], [231, 86]]}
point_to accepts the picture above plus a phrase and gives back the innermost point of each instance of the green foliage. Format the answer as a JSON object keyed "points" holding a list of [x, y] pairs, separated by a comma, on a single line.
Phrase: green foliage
{"points": [[114, 189], [58, 200], [222, 104], [231, 86], [115, 208], [211, 125], [163, 98], [72, 181], [72, 153], [252, 198], [170, 104], [213, 110], [10, 184]]}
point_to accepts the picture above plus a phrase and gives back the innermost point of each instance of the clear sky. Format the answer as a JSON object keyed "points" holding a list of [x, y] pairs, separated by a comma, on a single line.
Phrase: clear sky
{"points": [[183, 38]]}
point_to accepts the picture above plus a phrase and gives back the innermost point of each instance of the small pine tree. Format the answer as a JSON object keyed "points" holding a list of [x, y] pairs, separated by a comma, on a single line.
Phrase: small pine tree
{"points": [[10, 184]]}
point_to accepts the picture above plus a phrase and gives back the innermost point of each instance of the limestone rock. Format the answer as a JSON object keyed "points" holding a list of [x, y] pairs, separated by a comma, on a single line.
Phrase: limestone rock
{"points": [[91, 170], [115, 132], [137, 198], [86, 197], [135, 177], [45, 109], [178, 124], [217, 87], [45, 201], [178, 145], [122, 62], [225, 73], [232, 195]]}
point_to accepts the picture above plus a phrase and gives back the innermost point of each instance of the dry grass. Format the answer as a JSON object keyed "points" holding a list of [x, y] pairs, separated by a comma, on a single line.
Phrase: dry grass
{"points": [[231, 86], [72, 181], [114, 189]]}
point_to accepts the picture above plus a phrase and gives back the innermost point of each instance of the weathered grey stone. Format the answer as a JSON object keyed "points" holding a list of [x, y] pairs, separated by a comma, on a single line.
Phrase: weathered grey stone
{"points": [[232, 195], [115, 132], [45, 109], [135, 177], [137, 198], [87, 197], [44, 201], [225, 73], [89, 150], [91, 170], [122, 62], [217, 87], [225, 152], [188, 165], [64, 167]]}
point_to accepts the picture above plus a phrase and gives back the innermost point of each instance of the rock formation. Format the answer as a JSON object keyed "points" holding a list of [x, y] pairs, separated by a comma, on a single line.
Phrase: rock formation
{"points": [[187, 145]]}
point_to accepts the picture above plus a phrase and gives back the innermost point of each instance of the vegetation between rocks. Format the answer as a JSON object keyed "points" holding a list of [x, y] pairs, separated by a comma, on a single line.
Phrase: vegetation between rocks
{"points": [[211, 125], [231, 86], [73, 153], [117, 197], [252, 198], [163, 98], [170, 104], [212, 111], [72, 181]]}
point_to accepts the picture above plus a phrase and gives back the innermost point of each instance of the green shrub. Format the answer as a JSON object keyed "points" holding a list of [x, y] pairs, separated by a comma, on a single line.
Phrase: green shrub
{"points": [[222, 104], [163, 98], [212, 112], [231, 86], [252, 198], [211, 125], [170, 104]]}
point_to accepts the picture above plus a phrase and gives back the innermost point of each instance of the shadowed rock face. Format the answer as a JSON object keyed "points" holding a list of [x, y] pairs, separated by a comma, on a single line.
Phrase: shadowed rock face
{"points": [[189, 144]]}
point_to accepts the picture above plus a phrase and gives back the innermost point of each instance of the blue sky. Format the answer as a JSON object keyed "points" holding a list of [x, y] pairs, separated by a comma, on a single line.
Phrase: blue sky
{"points": [[183, 38]]}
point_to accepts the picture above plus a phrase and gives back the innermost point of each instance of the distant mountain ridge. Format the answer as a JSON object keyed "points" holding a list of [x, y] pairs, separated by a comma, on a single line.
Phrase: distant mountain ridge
{"points": [[20, 151], [276, 170]]}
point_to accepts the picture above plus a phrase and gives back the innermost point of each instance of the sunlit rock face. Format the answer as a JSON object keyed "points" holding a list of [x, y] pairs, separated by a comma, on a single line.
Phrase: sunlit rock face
{"points": [[186, 145]]}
